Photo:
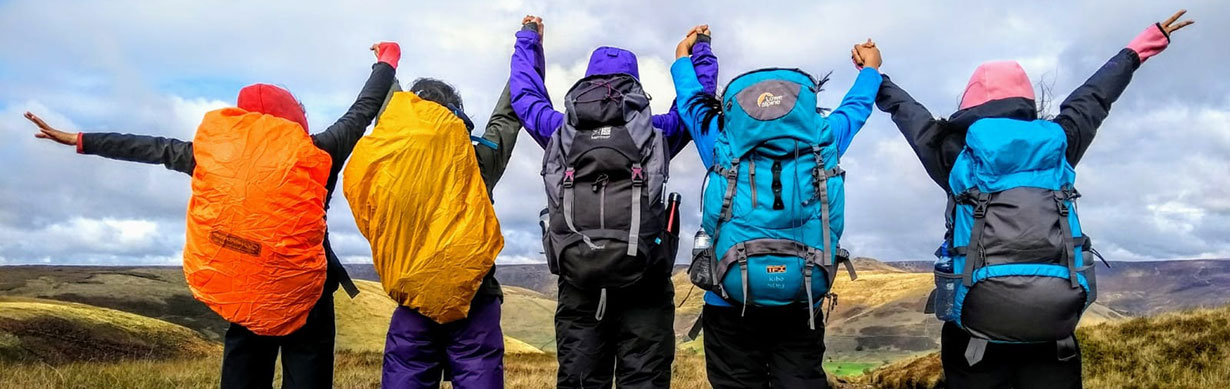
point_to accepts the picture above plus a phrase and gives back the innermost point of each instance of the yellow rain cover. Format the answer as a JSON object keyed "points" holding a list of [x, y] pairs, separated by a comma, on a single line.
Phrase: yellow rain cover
{"points": [[417, 195]]}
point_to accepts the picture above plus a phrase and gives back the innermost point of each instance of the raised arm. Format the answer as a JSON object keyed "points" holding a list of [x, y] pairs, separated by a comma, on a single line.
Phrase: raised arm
{"points": [[696, 44], [339, 139], [175, 154], [502, 129], [855, 107], [1083, 111], [695, 79], [527, 88]]}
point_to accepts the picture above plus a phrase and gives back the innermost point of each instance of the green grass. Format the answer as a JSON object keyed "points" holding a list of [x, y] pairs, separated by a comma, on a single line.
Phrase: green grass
{"points": [[848, 369]]}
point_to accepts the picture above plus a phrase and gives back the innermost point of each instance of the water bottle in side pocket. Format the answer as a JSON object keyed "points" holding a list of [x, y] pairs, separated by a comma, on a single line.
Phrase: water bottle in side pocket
{"points": [[945, 286]]}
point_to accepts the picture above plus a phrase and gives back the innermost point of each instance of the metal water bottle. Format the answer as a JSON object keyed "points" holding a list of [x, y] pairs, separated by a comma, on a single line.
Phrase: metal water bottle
{"points": [[672, 213]]}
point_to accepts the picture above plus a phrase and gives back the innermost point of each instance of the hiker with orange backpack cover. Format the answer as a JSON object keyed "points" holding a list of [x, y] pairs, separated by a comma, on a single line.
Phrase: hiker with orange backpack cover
{"points": [[1013, 238], [251, 254]]}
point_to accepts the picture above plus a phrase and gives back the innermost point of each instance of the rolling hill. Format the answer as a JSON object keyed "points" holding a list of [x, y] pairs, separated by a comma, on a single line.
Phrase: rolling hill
{"points": [[57, 332]]}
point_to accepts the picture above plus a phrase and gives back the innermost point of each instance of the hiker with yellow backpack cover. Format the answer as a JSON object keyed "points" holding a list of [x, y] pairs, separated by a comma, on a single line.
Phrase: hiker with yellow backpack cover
{"points": [[420, 189], [257, 250]]}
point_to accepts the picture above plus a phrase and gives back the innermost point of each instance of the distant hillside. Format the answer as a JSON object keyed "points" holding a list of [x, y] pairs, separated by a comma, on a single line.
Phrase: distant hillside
{"points": [[1176, 350], [1150, 287], [56, 332]]}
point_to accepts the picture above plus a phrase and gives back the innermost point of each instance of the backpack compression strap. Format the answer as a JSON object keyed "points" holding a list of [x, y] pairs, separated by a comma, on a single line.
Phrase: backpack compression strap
{"points": [[634, 230], [975, 253], [820, 176], [569, 177], [1065, 228]]}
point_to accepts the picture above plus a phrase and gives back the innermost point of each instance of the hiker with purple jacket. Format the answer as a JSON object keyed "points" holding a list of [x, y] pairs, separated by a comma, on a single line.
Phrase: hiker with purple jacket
{"points": [[615, 314]]}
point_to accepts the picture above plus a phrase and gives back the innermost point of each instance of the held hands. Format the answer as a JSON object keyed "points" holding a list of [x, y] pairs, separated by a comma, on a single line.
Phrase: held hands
{"points": [[684, 48], [47, 132], [387, 52], [534, 23], [866, 55]]}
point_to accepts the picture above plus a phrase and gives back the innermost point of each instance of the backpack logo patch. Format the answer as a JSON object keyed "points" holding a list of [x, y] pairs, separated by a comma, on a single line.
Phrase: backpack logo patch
{"points": [[775, 269], [600, 133], [767, 100]]}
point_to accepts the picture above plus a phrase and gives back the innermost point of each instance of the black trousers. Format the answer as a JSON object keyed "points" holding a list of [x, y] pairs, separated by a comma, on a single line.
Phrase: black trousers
{"points": [[1019, 366], [633, 344], [767, 347], [248, 359]]}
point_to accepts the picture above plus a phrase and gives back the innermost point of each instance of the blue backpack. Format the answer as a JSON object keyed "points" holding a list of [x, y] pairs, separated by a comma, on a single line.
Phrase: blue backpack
{"points": [[775, 198], [1022, 270]]}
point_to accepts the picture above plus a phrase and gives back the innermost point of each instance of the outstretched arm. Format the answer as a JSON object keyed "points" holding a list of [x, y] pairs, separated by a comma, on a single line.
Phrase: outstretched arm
{"points": [[501, 131], [1083, 111], [339, 139], [527, 88], [175, 154], [855, 108]]}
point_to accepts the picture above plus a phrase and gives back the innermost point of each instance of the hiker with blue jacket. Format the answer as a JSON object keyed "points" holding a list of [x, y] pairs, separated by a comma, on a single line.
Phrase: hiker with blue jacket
{"points": [[773, 210], [1016, 271], [606, 229]]}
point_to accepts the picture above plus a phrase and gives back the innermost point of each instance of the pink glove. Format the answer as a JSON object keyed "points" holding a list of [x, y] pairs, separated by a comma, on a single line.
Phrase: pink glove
{"points": [[388, 52], [1150, 42]]}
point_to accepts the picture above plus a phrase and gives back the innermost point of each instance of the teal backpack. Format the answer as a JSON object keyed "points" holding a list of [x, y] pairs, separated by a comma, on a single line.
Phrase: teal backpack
{"points": [[1022, 269], [775, 196]]}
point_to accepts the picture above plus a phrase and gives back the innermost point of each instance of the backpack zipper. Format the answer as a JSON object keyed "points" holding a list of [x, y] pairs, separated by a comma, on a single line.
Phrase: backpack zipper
{"points": [[751, 174], [600, 187]]}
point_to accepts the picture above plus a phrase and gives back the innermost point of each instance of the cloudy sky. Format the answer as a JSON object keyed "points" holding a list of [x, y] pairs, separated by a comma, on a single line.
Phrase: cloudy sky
{"points": [[1155, 182]]}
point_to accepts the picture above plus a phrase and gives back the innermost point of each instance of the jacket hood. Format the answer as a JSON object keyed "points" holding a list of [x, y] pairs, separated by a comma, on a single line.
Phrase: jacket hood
{"points": [[996, 80], [612, 60], [272, 100]]}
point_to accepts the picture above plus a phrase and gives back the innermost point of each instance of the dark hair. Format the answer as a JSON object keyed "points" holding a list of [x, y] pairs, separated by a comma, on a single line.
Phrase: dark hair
{"points": [[437, 91], [717, 112]]}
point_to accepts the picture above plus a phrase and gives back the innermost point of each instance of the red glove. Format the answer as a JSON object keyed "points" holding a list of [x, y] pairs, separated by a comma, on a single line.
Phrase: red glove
{"points": [[387, 52]]}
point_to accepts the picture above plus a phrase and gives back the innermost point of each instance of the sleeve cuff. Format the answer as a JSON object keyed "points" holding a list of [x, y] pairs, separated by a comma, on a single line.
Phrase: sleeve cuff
{"points": [[1150, 42], [80, 143]]}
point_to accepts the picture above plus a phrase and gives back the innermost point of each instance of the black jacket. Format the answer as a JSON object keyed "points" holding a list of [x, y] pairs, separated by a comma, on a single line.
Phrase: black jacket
{"points": [[937, 142], [338, 140]]}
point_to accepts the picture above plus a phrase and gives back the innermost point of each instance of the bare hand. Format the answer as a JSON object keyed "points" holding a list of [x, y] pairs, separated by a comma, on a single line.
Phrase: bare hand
{"points": [[684, 48], [1169, 25], [866, 55], [47, 132]]}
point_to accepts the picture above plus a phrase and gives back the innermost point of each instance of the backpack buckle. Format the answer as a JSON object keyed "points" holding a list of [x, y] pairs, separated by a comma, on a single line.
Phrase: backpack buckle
{"points": [[638, 175], [1063, 207], [569, 176], [980, 205]]}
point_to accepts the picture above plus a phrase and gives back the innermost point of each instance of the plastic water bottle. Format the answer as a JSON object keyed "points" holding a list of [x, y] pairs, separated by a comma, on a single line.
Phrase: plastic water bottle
{"points": [[945, 285], [701, 242], [544, 219]]}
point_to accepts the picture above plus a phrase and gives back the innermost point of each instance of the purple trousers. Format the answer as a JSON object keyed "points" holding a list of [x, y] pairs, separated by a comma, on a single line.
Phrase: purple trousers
{"points": [[419, 353]]}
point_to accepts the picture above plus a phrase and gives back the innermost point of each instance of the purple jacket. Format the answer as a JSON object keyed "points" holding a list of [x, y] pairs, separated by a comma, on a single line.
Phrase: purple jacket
{"points": [[533, 105]]}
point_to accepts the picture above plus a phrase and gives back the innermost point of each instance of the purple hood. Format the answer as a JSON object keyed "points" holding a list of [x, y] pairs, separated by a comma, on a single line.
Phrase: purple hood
{"points": [[612, 60]]}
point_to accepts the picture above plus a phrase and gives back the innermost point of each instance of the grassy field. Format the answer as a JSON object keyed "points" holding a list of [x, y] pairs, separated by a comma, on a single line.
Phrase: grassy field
{"points": [[1188, 349]]}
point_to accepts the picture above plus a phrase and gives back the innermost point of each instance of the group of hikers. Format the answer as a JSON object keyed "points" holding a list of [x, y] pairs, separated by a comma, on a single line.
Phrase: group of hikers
{"points": [[1013, 276]]}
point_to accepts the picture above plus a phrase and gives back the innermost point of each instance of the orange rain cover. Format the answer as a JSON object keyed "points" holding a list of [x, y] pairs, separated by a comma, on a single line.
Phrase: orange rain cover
{"points": [[416, 193], [256, 220]]}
